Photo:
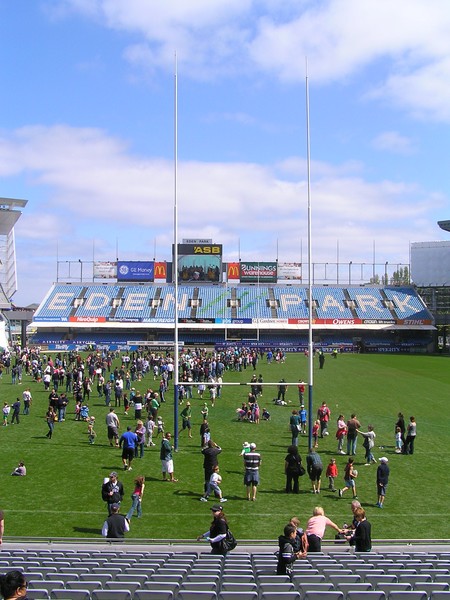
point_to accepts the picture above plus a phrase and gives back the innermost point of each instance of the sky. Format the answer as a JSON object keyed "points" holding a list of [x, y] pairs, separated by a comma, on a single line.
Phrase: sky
{"points": [[87, 114]]}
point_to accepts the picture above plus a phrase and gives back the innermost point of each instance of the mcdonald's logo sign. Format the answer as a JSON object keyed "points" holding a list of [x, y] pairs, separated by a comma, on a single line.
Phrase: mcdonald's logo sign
{"points": [[233, 272], [161, 270]]}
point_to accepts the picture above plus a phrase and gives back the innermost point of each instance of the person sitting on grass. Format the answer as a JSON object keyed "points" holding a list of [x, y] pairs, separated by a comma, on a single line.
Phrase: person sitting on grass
{"points": [[20, 470]]}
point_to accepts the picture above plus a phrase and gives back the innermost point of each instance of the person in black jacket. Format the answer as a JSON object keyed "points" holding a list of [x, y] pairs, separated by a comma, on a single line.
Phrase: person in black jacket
{"points": [[116, 525], [382, 480], [361, 537], [112, 491], [286, 553], [292, 469], [217, 530]]}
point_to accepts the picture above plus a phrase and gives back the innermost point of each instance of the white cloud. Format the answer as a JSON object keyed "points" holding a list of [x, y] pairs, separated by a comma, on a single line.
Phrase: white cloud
{"points": [[98, 191], [392, 141], [424, 92], [407, 40]]}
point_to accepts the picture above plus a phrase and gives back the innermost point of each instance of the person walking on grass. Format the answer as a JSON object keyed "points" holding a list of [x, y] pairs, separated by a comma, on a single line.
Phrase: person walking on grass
{"points": [[50, 417], [27, 401], [332, 473], [314, 466], [186, 415], [210, 461], [341, 432], [112, 423], [411, 432], [16, 412], [252, 462], [368, 444], [352, 435], [112, 491], [166, 456], [350, 474], [214, 486], [128, 442], [382, 480], [136, 498], [293, 469]]}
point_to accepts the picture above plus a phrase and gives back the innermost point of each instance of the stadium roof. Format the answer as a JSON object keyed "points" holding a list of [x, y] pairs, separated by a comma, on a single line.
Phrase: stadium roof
{"points": [[9, 216], [5, 304], [445, 225]]}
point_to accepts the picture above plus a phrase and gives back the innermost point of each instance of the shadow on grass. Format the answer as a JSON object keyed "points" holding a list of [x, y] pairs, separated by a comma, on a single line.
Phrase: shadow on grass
{"points": [[282, 492], [95, 531]]}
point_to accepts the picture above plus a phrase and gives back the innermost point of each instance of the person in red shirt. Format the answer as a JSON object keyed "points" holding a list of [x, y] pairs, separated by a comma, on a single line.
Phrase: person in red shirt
{"points": [[332, 473], [323, 414]]}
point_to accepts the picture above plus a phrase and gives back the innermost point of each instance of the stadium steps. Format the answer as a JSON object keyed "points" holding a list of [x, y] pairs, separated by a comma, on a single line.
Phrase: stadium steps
{"points": [[233, 304], [80, 297], [194, 308], [349, 299], [272, 304], [120, 295], [157, 296]]}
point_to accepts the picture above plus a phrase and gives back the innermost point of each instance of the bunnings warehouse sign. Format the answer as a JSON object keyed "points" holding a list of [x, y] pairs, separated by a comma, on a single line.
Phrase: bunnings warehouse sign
{"points": [[259, 272]]}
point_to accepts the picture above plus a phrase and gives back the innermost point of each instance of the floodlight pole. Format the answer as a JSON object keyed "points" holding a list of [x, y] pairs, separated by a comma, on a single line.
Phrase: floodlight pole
{"points": [[175, 263], [310, 306]]}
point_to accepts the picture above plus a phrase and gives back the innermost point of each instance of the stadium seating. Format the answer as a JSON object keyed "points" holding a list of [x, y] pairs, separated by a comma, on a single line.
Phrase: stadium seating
{"points": [[239, 576], [150, 303]]}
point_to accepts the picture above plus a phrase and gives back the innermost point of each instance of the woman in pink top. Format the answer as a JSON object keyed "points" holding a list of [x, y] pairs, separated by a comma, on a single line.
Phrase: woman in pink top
{"points": [[315, 529]]}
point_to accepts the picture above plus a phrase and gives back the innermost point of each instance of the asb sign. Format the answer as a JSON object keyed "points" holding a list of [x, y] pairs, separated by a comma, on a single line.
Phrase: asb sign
{"points": [[135, 271], [200, 263]]}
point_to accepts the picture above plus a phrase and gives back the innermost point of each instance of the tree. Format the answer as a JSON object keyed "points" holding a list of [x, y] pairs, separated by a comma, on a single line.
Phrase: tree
{"points": [[401, 277]]}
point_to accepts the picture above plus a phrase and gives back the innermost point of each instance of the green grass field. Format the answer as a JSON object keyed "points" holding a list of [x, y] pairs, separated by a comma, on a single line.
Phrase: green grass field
{"points": [[60, 497]]}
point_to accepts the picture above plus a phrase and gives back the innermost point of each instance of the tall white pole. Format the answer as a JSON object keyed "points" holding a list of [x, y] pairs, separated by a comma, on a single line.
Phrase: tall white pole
{"points": [[175, 259], [310, 305]]}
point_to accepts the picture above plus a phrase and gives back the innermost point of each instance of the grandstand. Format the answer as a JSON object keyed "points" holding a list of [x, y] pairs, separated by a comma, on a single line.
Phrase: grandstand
{"points": [[168, 572], [110, 315]]}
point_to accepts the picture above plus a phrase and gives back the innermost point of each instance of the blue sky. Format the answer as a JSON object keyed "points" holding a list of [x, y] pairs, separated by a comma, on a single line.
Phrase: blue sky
{"points": [[86, 128]]}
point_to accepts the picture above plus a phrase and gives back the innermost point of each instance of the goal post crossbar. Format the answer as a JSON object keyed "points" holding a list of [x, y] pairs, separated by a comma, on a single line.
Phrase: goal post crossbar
{"points": [[241, 383]]}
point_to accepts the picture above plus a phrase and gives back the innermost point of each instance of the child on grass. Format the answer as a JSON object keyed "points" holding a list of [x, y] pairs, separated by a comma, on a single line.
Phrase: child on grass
{"points": [[5, 411], [350, 475], [91, 433], [341, 433], [159, 426], [150, 428], [398, 440], [332, 473], [315, 433], [214, 486], [303, 417]]}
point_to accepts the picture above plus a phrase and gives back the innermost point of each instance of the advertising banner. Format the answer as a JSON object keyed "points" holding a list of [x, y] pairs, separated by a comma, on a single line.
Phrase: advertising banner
{"points": [[135, 271], [289, 272], [105, 270], [258, 272], [199, 263], [233, 272], [160, 272]]}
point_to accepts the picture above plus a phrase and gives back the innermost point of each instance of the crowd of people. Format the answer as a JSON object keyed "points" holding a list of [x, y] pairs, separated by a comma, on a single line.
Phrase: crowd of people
{"points": [[71, 381]]}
